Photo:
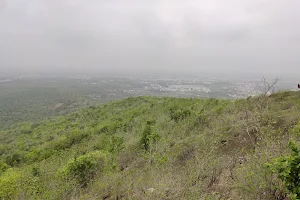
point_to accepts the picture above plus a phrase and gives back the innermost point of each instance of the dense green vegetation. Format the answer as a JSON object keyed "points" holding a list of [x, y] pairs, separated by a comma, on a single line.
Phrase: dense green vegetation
{"points": [[37, 99], [30, 101], [157, 148], [288, 168]]}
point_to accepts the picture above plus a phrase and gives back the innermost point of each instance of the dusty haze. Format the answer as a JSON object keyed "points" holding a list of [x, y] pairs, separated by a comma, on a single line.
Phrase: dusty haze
{"points": [[139, 36]]}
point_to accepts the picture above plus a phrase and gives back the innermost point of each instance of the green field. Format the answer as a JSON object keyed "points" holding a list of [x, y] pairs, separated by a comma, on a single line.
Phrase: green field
{"points": [[153, 148]]}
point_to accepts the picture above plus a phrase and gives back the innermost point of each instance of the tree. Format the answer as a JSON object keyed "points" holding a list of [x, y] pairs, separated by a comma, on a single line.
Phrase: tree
{"points": [[254, 116]]}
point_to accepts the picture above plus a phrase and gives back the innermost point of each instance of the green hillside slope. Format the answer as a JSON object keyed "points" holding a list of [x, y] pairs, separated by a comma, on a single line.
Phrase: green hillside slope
{"points": [[153, 148]]}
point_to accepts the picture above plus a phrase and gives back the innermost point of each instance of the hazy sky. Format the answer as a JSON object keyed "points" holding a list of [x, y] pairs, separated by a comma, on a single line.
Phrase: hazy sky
{"points": [[150, 36]]}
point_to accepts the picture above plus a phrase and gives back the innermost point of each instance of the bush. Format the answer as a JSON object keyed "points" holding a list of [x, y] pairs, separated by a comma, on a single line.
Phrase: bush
{"points": [[15, 159], [26, 131], [68, 141], [288, 169], [2, 149], [3, 166], [148, 137], [201, 120], [39, 155], [110, 127], [112, 144], [180, 114], [9, 184], [84, 168], [116, 145]]}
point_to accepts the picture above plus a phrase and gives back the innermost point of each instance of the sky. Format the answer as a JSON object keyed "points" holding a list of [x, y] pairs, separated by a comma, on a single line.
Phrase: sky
{"points": [[150, 36]]}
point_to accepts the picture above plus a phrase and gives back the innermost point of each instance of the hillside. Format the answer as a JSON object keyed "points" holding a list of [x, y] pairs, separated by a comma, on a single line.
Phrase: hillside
{"points": [[153, 148]]}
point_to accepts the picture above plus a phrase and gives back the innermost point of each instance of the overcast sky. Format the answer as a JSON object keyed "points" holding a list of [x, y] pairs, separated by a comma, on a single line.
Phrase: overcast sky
{"points": [[150, 36]]}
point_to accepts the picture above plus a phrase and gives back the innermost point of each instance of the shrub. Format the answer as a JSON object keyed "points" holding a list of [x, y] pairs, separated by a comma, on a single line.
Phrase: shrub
{"points": [[26, 131], [110, 127], [36, 171], [15, 159], [35, 125], [296, 130], [116, 144], [113, 144], [103, 143], [288, 169], [253, 179], [84, 168], [3, 166], [39, 154], [148, 137], [9, 184], [180, 114], [2, 149], [201, 120], [68, 141]]}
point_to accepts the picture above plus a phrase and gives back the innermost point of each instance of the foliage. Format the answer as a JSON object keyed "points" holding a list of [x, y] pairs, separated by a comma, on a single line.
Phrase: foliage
{"points": [[10, 182], [288, 169], [116, 145], [181, 148], [84, 168], [180, 114], [148, 137], [15, 158], [3, 166]]}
